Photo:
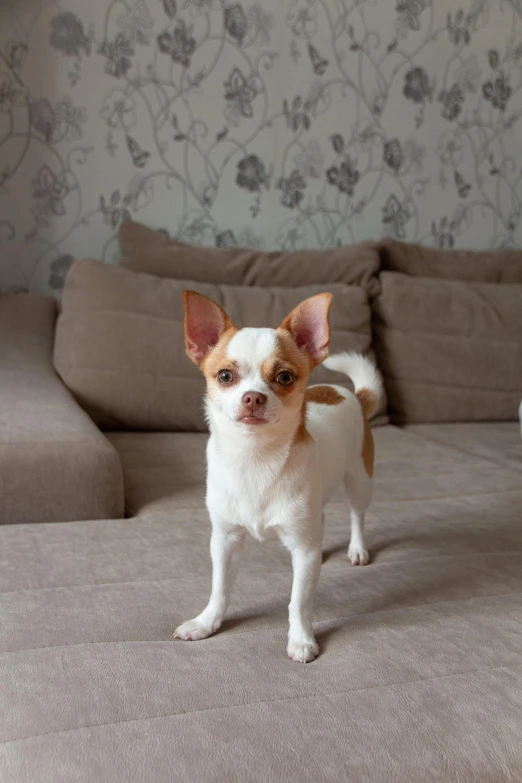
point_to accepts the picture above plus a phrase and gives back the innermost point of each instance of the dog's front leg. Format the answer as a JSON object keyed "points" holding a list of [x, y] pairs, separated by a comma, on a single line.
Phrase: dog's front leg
{"points": [[306, 563], [225, 548]]}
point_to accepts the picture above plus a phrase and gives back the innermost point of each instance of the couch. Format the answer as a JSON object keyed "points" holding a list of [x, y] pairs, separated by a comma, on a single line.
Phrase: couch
{"points": [[104, 551]]}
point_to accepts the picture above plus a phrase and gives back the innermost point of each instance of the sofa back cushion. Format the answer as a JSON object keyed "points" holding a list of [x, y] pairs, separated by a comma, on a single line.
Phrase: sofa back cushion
{"points": [[449, 350], [120, 347], [491, 266], [152, 252]]}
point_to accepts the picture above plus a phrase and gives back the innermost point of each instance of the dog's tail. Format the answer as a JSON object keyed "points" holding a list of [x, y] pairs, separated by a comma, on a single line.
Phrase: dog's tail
{"points": [[367, 381]]}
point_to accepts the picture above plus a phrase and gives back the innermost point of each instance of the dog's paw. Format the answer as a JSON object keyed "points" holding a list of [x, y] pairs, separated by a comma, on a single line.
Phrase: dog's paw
{"points": [[357, 555], [193, 630], [302, 650]]}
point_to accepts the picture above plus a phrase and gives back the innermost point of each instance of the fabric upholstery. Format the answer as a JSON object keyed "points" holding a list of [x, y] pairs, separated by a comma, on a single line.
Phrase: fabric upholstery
{"points": [[120, 346], [449, 350], [55, 464], [145, 250], [486, 266], [419, 676]]}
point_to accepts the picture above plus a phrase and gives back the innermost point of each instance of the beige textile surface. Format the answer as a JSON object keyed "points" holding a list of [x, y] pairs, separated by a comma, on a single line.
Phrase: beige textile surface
{"points": [[145, 250], [420, 672], [54, 462], [449, 350]]}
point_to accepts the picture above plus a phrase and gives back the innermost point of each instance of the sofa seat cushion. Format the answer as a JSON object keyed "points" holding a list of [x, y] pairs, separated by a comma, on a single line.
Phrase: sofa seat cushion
{"points": [[55, 464], [421, 649]]}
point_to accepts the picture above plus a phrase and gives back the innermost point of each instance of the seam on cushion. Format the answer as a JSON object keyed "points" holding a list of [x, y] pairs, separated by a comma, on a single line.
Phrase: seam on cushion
{"points": [[457, 387], [282, 625], [246, 704], [391, 564]]}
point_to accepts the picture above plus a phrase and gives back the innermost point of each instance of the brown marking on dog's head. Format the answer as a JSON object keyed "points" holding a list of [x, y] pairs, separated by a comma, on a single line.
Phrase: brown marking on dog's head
{"points": [[323, 395]]}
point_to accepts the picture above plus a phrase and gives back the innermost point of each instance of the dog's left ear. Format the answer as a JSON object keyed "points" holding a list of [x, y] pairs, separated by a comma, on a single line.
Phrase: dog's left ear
{"points": [[205, 323], [308, 324]]}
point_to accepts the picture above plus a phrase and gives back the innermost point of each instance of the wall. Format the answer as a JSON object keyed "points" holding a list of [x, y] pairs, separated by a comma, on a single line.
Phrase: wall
{"points": [[271, 123]]}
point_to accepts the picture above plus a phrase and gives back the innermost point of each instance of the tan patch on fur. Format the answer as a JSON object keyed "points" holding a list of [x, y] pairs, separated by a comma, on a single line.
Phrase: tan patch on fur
{"points": [[367, 402], [323, 395], [302, 435], [217, 358]]}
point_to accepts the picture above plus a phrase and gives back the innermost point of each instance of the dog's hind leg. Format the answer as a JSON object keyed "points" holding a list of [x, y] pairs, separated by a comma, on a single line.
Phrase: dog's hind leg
{"points": [[359, 487]]}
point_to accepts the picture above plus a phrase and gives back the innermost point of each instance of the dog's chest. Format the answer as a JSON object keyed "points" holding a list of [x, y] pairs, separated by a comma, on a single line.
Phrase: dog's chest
{"points": [[263, 503]]}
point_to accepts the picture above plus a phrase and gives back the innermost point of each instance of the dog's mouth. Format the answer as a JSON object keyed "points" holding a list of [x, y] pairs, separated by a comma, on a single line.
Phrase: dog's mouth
{"points": [[250, 419]]}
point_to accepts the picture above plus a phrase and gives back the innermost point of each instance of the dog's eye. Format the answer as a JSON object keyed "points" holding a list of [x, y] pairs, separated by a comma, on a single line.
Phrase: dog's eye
{"points": [[225, 376], [285, 378]]}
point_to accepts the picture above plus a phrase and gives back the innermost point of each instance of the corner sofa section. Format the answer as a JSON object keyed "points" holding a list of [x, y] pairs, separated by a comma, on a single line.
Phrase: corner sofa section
{"points": [[55, 464]]}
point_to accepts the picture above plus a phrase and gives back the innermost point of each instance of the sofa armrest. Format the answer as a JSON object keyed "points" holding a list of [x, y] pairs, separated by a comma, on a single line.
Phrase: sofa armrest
{"points": [[55, 464]]}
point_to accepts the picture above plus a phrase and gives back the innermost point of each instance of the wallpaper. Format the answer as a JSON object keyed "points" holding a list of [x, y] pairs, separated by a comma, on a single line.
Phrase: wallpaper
{"points": [[263, 123]]}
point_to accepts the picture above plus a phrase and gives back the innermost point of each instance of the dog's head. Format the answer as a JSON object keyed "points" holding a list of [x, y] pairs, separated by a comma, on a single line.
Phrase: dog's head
{"points": [[256, 378]]}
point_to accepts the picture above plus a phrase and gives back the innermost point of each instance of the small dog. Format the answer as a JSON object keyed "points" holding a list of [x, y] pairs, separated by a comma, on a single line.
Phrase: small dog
{"points": [[278, 450]]}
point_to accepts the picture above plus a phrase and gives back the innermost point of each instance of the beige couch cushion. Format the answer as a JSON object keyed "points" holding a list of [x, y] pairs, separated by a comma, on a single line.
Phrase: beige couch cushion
{"points": [[55, 464], [120, 348], [449, 350], [491, 266], [145, 250]]}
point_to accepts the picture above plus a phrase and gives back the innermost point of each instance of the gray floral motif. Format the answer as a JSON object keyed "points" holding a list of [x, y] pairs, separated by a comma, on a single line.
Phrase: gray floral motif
{"points": [[395, 216], [251, 174], [64, 122], [302, 19], [309, 162], [467, 76], [497, 91], [200, 7], [117, 54], [58, 271], [458, 31], [393, 155], [11, 94], [293, 189], [114, 210], [226, 239], [68, 35], [118, 110], [136, 25], [417, 86], [49, 191], [408, 13], [345, 176], [239, 94], [259, 24], [235, 22], [179, 44], [452, 101], [296, 115], [170, 7]]}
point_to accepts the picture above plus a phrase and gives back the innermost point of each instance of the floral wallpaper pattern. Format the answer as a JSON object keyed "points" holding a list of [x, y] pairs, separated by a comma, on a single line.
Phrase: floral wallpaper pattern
{"points": [[267, 123]]}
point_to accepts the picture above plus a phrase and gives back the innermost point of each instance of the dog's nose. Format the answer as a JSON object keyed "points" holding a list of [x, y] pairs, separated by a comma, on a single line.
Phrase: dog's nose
{"points": [[253, 400]]}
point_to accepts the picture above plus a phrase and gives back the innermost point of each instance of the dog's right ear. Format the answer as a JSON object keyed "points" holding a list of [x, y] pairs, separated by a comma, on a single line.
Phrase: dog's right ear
{"points": [[205, 323]]}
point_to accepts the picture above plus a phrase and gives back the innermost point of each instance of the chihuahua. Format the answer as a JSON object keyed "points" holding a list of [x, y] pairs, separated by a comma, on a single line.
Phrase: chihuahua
{"points": [[278, 449]]}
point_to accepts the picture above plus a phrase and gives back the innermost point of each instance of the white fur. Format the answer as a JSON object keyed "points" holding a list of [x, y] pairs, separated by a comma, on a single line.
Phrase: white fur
{"points": [[262, 482]]}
